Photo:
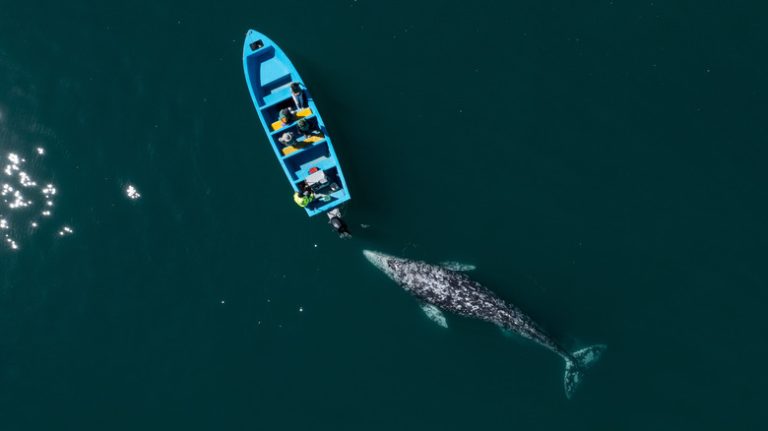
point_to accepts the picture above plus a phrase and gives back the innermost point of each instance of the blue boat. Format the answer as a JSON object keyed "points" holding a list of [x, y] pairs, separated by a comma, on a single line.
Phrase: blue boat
{"points": [[306, 156]]}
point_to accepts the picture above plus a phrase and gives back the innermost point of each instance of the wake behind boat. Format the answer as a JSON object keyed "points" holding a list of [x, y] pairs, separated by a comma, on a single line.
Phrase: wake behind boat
{"points": [[294, 128]]}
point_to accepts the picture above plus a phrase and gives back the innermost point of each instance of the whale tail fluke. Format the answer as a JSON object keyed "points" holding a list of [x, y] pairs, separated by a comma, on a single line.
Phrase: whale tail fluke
{"points": [[582, 360]]}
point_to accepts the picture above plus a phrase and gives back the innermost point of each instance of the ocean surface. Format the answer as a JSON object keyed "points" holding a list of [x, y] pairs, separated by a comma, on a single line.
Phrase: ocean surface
{"points": [[603, 164]]}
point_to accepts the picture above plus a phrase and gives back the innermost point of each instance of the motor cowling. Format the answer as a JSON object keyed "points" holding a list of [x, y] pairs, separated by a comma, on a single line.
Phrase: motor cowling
{"points": [[338, 224]]}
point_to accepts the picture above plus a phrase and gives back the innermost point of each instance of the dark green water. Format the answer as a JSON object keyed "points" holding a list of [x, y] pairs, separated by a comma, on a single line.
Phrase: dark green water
{"points": [[602, 164]]}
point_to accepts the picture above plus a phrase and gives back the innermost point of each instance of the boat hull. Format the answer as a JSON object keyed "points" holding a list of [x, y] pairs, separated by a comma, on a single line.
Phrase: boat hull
{"points": [[307, 159]]}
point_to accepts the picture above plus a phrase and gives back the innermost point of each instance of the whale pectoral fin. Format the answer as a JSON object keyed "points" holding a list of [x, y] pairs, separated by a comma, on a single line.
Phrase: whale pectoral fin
{"points": [[434, 314], [457, 266]]}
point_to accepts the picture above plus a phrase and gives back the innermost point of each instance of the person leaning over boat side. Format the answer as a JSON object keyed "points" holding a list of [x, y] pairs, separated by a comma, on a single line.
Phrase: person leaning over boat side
{"points": [[298, 96], [303, 197], [286, 116]]}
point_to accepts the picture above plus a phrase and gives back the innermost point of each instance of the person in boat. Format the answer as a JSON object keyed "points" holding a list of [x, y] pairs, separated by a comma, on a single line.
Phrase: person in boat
{"points": [[286, 116], [306, 195], [306, 129], [297, 93], [287, 139], [303, 197]]}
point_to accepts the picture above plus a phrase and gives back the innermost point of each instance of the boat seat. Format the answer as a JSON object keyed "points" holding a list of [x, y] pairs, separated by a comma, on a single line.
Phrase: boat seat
{"points": [[278, 95], [315, 178], [301, 113], [302, 144], [271, 71], [322, 163]]}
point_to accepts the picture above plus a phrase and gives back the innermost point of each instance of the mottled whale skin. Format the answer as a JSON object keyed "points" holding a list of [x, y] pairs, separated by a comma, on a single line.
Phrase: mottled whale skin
{"points": [[454, 291]]}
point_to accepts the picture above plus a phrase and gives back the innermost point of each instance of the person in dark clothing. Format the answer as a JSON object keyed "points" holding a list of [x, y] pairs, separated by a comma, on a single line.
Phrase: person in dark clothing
{"points": [[306, 129], [299, 98], [286, 116]]}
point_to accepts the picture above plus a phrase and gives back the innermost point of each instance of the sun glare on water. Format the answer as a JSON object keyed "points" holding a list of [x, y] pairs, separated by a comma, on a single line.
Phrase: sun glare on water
{"points": [[131, 192], [25, 205]]}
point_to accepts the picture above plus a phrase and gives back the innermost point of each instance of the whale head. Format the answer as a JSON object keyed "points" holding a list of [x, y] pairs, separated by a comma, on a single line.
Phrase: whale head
{"points": [[386, 263]]}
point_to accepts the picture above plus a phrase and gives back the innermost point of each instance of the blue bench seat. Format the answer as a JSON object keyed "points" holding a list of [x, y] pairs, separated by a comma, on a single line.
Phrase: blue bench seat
{"points": [[272, 71]]}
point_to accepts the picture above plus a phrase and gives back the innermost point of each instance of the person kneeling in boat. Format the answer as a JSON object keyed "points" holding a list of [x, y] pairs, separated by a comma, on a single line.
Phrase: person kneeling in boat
{"points": [[297, 93]]}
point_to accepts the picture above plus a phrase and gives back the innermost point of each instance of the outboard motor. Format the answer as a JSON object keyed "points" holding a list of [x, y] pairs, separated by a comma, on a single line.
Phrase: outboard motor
{"points": [[337, 223]]}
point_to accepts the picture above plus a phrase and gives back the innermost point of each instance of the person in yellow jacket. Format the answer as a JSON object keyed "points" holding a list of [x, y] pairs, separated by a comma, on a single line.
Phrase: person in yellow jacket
{"points": [[303, 197]]}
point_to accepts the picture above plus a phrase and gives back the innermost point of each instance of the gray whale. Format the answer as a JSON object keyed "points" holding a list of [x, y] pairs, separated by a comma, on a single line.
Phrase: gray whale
{"points": [[441, 288]]}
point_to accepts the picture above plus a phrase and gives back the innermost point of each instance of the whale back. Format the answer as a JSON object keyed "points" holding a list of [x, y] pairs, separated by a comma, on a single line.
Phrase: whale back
{"points": [[457, 293], [450, 290]]}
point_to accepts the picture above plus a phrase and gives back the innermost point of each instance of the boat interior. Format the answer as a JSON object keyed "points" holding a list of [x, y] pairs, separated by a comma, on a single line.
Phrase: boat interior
{"points": [[327, 191], [316, 157], [318, 134], [269, 76]]}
